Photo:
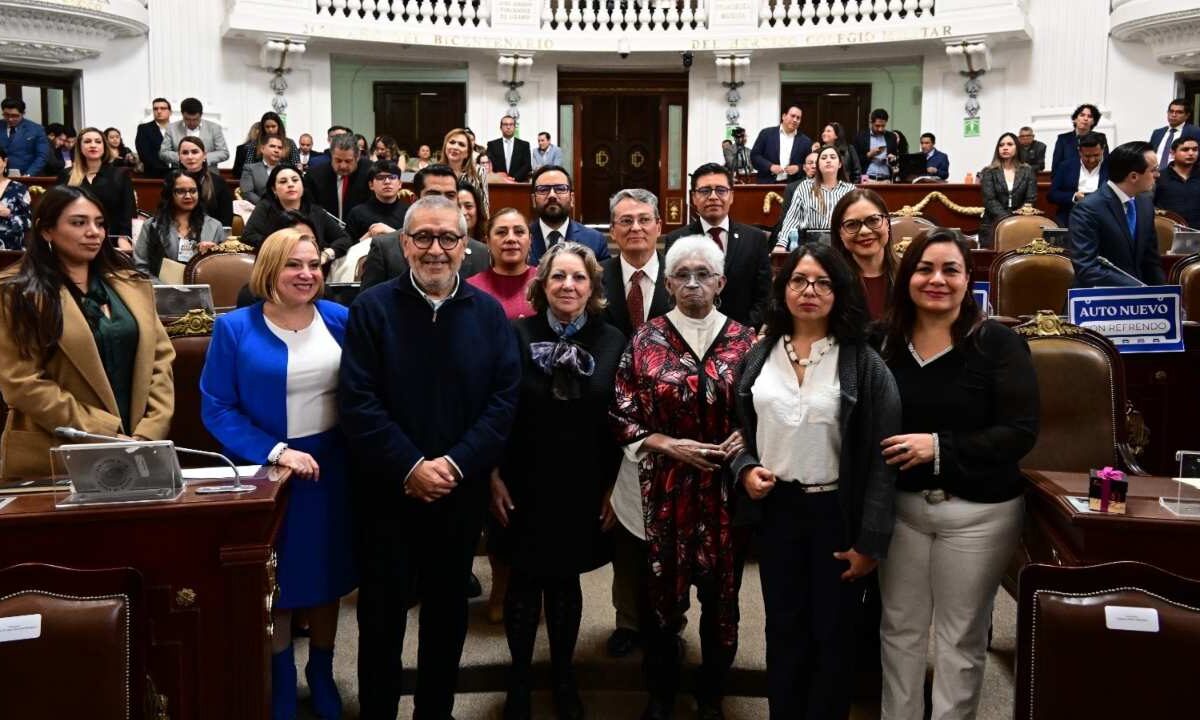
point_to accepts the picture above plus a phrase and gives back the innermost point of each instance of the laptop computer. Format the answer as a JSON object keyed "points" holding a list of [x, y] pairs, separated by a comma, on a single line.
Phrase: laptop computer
{"points": [[1056, 236], [176, 300], [1186, 242]]}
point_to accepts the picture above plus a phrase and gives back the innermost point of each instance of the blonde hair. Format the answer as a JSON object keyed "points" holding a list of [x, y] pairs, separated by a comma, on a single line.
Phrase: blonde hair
{"points": [[78, 164], [273, 256]]}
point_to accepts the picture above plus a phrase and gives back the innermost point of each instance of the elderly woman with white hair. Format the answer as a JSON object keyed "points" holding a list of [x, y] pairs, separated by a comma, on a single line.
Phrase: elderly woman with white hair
{"points": [[674, 413]]}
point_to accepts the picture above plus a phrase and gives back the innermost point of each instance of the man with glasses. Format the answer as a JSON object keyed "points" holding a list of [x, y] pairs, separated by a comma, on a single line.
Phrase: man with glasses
{"points": [[1029, 151], [384, 211], [23, 140], [386, 258], [746, 248], [427, 393], [150, 136], [553, 199]]}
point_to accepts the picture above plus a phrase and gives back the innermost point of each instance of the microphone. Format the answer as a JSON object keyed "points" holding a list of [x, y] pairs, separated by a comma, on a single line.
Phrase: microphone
{"points": [[1108, 264], [70, 433]]}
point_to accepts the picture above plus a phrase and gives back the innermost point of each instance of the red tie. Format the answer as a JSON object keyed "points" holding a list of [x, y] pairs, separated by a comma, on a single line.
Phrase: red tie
{"points": [[342, 193], [716, 236], [635, 300]]}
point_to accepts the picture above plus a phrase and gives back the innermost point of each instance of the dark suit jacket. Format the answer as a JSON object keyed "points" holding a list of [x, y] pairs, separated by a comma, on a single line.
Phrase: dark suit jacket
{"points": [[1098, 228], [747, 271], [1186, 130], [522, 161], [765, 153], [115, 191], [148, 141], [322, 183], [617, 311], [1034, 156], [998, 201], [941, 162], [862, 145], [576, 232], [1063, 186], [385, 260], [1066, 148]]}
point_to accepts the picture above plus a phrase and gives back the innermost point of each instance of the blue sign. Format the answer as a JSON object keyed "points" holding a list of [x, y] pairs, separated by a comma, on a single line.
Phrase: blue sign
{"points": [[1135, 319], [981, 289]]}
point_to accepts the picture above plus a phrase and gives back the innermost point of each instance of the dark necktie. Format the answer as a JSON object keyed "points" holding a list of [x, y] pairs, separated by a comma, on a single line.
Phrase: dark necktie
{"points": [[1131, 217], [553, 238], [636, 301], [716, 236], [11, 132], [1166, 153]]}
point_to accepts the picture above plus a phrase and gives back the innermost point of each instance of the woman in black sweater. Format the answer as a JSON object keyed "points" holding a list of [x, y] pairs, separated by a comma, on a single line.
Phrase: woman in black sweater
{"points": [[110, 184], [285, 192], [970, 407], [215, 195]]}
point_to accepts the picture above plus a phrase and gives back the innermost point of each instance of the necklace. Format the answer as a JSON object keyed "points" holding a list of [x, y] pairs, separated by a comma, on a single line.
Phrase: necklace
{"points": [[804, 362]]}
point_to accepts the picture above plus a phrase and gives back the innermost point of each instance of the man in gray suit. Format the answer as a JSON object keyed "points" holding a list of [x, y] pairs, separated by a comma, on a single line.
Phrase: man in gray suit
{"points": [[255, 174], [193, 125]]}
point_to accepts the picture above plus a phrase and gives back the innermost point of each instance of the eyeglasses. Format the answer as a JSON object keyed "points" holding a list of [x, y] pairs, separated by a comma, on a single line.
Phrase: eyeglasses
{"points": [[720, 190], [424, 240], [628, 221], [821, 286], [544, 190], [874, 222], [186, 191], [386, 177], [685, 277]]}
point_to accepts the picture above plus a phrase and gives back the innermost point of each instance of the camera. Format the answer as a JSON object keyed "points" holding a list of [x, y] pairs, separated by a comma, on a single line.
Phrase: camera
{"points": [[688, 59]]}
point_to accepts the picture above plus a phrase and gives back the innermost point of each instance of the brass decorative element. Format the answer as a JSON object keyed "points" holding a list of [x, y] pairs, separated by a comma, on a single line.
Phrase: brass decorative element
{"points": [[185, 597], [195, 322], [35, 190], [915, 210], [1136, 431], [637, 159], [1039, 246], [674, 210], [237, 194], [908, 211], [1027, 209], [272, 591], [155, 702], [407, 194], [772, 195], [601, 158], [899, 248], [1047, 323], [233, 245]]}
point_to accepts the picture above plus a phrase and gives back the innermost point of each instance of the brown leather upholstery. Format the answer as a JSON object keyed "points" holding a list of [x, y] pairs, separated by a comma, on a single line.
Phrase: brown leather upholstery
{"points": [[358, 268], [1164, 229], [1071, 664], [1186, 273], [1024, 282], [909, 227], [10, 257], [88, 661], [1013, 231], [187, 429], [225, 273], [237, 226]]}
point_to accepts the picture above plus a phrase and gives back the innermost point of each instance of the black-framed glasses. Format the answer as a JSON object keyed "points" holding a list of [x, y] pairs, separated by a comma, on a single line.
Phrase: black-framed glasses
{"points": [[873, 222], [544, 190], [385, 177], [821, 286], [720, 190], [183, 192], [686, 277], [424, 240]]}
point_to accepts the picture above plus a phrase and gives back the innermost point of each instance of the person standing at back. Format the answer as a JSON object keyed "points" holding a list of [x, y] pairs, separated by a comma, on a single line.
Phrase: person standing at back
{"points": [[778, 151], [150, 136]]}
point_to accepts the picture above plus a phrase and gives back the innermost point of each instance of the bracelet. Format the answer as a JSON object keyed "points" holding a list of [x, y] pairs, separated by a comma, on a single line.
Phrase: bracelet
{"points": [[937, 455]]}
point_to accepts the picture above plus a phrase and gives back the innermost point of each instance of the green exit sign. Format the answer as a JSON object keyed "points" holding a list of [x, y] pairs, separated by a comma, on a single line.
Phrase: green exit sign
{"points": [[971, 127]]}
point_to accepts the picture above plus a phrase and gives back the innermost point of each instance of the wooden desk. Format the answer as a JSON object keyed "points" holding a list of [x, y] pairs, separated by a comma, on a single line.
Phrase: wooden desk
{"points": [[204, 560]]}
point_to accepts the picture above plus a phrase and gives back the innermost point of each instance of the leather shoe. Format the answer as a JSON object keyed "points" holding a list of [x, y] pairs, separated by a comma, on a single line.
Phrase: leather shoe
{"points": [[658, 709], [709, 709], [567, 703], [622, 642], [474, 589]]}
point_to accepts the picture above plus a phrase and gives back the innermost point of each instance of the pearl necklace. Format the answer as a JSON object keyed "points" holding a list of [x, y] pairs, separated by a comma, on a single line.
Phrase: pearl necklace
{"points": [[804, 362]]}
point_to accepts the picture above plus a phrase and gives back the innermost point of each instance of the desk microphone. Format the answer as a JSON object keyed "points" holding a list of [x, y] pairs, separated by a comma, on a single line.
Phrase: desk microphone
{"points": [[1108, 264], [70, 433]]}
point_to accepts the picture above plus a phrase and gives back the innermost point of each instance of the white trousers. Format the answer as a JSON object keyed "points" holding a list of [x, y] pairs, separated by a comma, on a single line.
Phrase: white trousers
{"points": [[943, 568]]}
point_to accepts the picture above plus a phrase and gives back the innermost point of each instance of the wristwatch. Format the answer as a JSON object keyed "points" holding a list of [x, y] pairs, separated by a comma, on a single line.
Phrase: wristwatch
{"points": [[273, 456]]}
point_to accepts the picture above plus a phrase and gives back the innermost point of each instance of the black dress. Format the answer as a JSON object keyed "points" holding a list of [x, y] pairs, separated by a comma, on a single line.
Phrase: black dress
{"points": [[114, 189], [561, 457]]}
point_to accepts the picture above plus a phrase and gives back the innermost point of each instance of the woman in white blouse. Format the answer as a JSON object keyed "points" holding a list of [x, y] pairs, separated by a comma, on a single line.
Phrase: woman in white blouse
{"points": [[269, 395], [815, 402], [813, 200]]}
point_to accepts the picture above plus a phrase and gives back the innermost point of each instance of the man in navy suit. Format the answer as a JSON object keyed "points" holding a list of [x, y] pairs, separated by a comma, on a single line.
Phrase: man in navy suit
{"points": [[1178, 114], [510, 155], [778, 152], [1113, 243], [937, 163], [553, 198], [1073, 182], [150, 136], [23, 140]]}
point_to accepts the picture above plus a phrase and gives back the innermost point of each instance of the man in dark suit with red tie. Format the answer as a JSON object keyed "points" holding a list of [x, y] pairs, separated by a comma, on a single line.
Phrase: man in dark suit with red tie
{"points": [[343, 183], [747, 254]]}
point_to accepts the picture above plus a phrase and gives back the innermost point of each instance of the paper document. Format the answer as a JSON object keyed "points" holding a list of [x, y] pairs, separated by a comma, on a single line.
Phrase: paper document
{"points": [[218, 473], [1192, 482]]}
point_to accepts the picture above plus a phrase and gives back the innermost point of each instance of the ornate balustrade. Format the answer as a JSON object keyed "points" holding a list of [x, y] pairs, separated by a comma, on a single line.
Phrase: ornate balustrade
{"points": [[838, 13]]}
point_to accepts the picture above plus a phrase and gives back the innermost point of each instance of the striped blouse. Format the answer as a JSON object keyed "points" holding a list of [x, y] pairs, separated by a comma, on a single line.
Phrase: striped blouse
{"points": [[805, 213]]}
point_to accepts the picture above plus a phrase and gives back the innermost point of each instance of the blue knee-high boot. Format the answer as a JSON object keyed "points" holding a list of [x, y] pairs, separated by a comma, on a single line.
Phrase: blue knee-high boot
{"points": [[325, 698], [283, 685]]}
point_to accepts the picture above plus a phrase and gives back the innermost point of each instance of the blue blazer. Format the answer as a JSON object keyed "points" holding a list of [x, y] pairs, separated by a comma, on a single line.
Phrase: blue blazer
{"points": [[1098, 228], [243, 387], [1064, 183], [28, 148], [940, 161], [765, 153], [576, 232]]}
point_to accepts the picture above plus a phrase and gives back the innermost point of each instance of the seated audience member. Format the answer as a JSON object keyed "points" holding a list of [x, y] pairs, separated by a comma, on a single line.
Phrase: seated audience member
{"points": [[810, 172], [23, 139], [546, 152], [1178, 187], [510, 274], [341, 184], [747, 255], [553, 198], [285, 192], [1112, 237], [193, 124], [423, 159], [386, 260], [877, 147], [1030, 151], [111, 185], [15, 209], [470, 201], [1007, 184], [179, 229], [59, 158], [268, 394], [1163, 139], [255, 174], [384, 211], [242, 153], [937, 163], [364, 148], [569, 361], [812, 201], [1072, 182], [323, 157], [1066, 146], [779, 150], [509, 154], [150, 136], [81, 344], [305, 148], [834, 135], [385, 147], [115, 152], [215, 194], [969, 409], [863, 234]]}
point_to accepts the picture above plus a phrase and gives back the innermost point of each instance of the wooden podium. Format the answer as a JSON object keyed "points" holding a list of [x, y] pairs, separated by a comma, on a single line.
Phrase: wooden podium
{"points": [[208, 569]]}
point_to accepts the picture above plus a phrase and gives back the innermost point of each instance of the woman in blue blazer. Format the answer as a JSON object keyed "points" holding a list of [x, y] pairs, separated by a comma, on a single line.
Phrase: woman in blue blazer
{"points": [[268, 394]]}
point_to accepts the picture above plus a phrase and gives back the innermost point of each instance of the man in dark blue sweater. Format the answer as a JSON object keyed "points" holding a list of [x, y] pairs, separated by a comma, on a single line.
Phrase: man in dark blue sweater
{"points": [[427, 394]]}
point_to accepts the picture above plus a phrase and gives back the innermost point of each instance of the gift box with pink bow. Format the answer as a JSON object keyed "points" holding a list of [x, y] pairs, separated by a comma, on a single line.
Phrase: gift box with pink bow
{"points": [[1107, 491]]}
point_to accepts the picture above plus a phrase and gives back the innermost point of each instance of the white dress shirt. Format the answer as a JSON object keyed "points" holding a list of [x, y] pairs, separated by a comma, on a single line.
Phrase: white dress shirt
{"points": [[705, 227], [649, 276], [508, 149], [546, 230], [786, 141], [1089, 180], [798, 435]]}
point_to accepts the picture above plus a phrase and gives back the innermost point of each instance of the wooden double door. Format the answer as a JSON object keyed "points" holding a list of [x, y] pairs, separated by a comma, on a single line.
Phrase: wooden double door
{"points": [[419, 114], [822, 103]]}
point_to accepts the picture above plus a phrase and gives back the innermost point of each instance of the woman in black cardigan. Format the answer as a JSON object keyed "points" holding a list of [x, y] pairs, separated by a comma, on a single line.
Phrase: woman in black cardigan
{"points": [[110, 184], [970, 401], [1007, 184], [815, 402], [215, 194], [560, 464], [285, 191]]}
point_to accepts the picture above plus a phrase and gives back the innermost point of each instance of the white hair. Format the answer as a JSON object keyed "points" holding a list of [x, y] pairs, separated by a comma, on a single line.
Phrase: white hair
{"points": [[693, 246]]}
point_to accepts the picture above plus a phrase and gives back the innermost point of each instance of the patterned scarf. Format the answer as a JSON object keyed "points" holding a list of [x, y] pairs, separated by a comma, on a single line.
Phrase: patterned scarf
{"points": [[564, 361]]}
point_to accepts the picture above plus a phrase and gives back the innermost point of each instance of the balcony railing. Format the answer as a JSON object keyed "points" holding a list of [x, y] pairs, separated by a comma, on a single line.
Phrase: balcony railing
{"points": [[443, 13], [817, 13], [624, 15]]}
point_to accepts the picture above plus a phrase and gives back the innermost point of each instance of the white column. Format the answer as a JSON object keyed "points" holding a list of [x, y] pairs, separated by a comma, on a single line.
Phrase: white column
{"points": [[1068, 63]]}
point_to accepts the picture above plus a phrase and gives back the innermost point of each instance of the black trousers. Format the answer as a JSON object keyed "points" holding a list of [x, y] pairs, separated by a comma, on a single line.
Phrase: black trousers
{"points": [[812, 614], [424, 552]]}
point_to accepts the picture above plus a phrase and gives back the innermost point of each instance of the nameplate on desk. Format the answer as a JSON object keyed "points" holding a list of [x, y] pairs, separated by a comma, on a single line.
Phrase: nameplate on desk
{"points": [[1137, 619], [20, 627], [1135, 319], [981, 290]]}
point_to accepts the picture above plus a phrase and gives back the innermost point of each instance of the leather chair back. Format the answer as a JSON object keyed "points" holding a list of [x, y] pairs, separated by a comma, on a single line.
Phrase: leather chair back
{"points": [[909, 227], [237, 226], [1164, 230], [1073, 663], [1034, 277], [187, 428], [10, 257], [1186, 273], [88, 661], [1013, 231], [225, 273]]}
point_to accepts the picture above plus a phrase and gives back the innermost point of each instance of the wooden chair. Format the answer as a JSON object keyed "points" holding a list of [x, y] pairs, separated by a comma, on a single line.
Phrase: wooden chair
{"points": [[358, 268], [89, 659], [190, 335], [237, 226], [225, 273], [1186, 273], [1073, 663], [905, 229], [1033, 277], [1020, 228], [1164, 231]]}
